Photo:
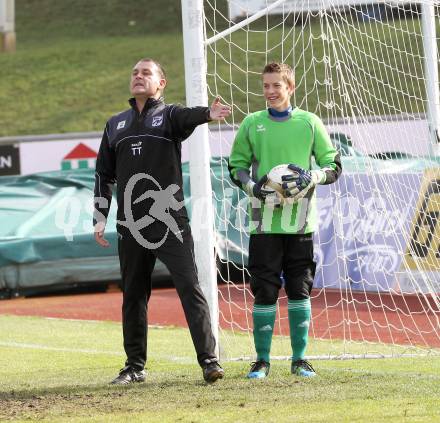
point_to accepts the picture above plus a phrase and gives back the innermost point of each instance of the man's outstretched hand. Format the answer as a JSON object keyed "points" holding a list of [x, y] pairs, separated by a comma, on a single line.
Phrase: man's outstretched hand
{"points": [[219, 111]]}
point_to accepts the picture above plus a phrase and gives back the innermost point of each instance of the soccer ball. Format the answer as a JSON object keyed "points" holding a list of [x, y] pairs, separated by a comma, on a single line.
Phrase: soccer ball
{"points": [[274, 184]]}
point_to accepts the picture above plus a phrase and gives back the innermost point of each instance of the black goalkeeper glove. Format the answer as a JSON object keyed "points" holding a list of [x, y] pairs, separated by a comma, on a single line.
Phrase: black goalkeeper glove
{"points": [[257, 189], [301, 180]]}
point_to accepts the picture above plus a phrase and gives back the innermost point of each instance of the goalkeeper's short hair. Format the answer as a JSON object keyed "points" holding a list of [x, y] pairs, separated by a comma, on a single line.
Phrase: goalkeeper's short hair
{"points": [[282, 68]]}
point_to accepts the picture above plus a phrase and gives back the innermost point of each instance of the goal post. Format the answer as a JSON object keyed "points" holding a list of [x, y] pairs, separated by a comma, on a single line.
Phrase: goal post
{"points": [[202, 218], [7, 26], [429, 20], [369, 70]]}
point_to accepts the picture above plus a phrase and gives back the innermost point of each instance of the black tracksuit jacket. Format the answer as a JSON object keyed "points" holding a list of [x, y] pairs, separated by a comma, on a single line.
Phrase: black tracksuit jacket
{"points": [[143, 143]]}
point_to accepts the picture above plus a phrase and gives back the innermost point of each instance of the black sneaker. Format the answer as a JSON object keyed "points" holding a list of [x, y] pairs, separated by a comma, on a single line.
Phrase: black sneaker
{"points": [[129, 375], [212, 371], [259, 370], [302, 368]]}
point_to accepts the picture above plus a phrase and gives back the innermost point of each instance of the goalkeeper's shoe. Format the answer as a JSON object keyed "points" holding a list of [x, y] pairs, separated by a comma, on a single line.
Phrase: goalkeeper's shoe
{"points": [[129, 375], [212, 371], [259, 370], [302, 368]]}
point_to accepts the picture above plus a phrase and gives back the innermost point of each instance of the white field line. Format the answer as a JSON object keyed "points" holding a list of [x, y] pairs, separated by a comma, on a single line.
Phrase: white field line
{"points": [[413, 375], [59, 349], [333, 358], [88, 351], [97, 321], [76, 320], [187, 359]]}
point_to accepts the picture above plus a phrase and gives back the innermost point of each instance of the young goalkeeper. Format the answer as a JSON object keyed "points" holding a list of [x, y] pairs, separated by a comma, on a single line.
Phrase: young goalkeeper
{"points": [[281, 237]]}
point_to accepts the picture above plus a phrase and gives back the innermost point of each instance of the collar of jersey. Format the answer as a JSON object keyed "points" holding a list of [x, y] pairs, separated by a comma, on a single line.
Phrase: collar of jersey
{"points": [[151, 102], [277, 114]]}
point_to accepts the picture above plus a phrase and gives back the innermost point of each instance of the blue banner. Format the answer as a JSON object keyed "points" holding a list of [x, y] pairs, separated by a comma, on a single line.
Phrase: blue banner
{"points": [[364, 224]]}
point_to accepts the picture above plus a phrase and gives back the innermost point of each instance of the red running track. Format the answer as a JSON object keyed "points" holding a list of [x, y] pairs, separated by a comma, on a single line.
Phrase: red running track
{"points": [[399, 319]]}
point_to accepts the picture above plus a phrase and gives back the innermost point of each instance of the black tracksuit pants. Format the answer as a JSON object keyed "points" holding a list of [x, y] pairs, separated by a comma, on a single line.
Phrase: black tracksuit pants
{"points": [[137, 264]]}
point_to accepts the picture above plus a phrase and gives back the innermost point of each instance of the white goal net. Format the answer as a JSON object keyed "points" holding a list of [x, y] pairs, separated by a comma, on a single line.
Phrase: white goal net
{"points": [[369, 70]]}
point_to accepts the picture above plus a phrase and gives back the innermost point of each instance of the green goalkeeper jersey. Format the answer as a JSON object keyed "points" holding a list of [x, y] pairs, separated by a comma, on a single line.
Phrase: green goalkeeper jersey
{"points": [[263, 142]]}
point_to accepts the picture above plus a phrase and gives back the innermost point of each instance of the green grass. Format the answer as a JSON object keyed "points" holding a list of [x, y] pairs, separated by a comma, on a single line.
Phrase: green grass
{"points": [[58, 370], [73, 60], [48, 19], [75, 86]]}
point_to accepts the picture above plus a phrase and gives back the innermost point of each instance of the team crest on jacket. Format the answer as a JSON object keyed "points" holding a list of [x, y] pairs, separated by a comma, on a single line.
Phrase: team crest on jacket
{"points": [[157, 120]]}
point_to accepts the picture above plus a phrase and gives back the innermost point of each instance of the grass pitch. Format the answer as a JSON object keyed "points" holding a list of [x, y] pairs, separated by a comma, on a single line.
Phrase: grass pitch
{"points": [[58, 370]]}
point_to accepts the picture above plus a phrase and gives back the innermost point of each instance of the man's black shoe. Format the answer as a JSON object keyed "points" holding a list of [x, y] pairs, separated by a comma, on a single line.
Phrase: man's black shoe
{"points": [[129, 375], [212, 371]]}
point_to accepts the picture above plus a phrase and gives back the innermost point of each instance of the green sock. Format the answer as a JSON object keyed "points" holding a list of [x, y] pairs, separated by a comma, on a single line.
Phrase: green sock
{"points": [[299, 319], [264, 319]]}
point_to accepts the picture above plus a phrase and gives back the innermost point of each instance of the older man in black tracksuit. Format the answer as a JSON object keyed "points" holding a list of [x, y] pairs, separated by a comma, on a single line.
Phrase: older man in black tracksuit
{"points": [[141, 151]]}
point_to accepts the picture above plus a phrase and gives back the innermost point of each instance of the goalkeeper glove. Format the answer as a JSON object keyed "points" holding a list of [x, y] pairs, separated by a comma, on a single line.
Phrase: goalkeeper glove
{"points": [[301, 181], [256, 189]]}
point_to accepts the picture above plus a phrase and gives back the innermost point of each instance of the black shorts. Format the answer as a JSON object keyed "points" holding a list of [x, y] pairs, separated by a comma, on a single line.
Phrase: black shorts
{"points": [[273, 254]]}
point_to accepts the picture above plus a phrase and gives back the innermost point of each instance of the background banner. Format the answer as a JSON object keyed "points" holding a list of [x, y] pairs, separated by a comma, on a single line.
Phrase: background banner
{"points": [[364, 226]]}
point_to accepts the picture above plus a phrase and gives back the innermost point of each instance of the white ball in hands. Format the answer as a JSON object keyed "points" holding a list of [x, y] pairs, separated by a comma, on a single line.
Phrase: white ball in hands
{"points": [[275, 185]]}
